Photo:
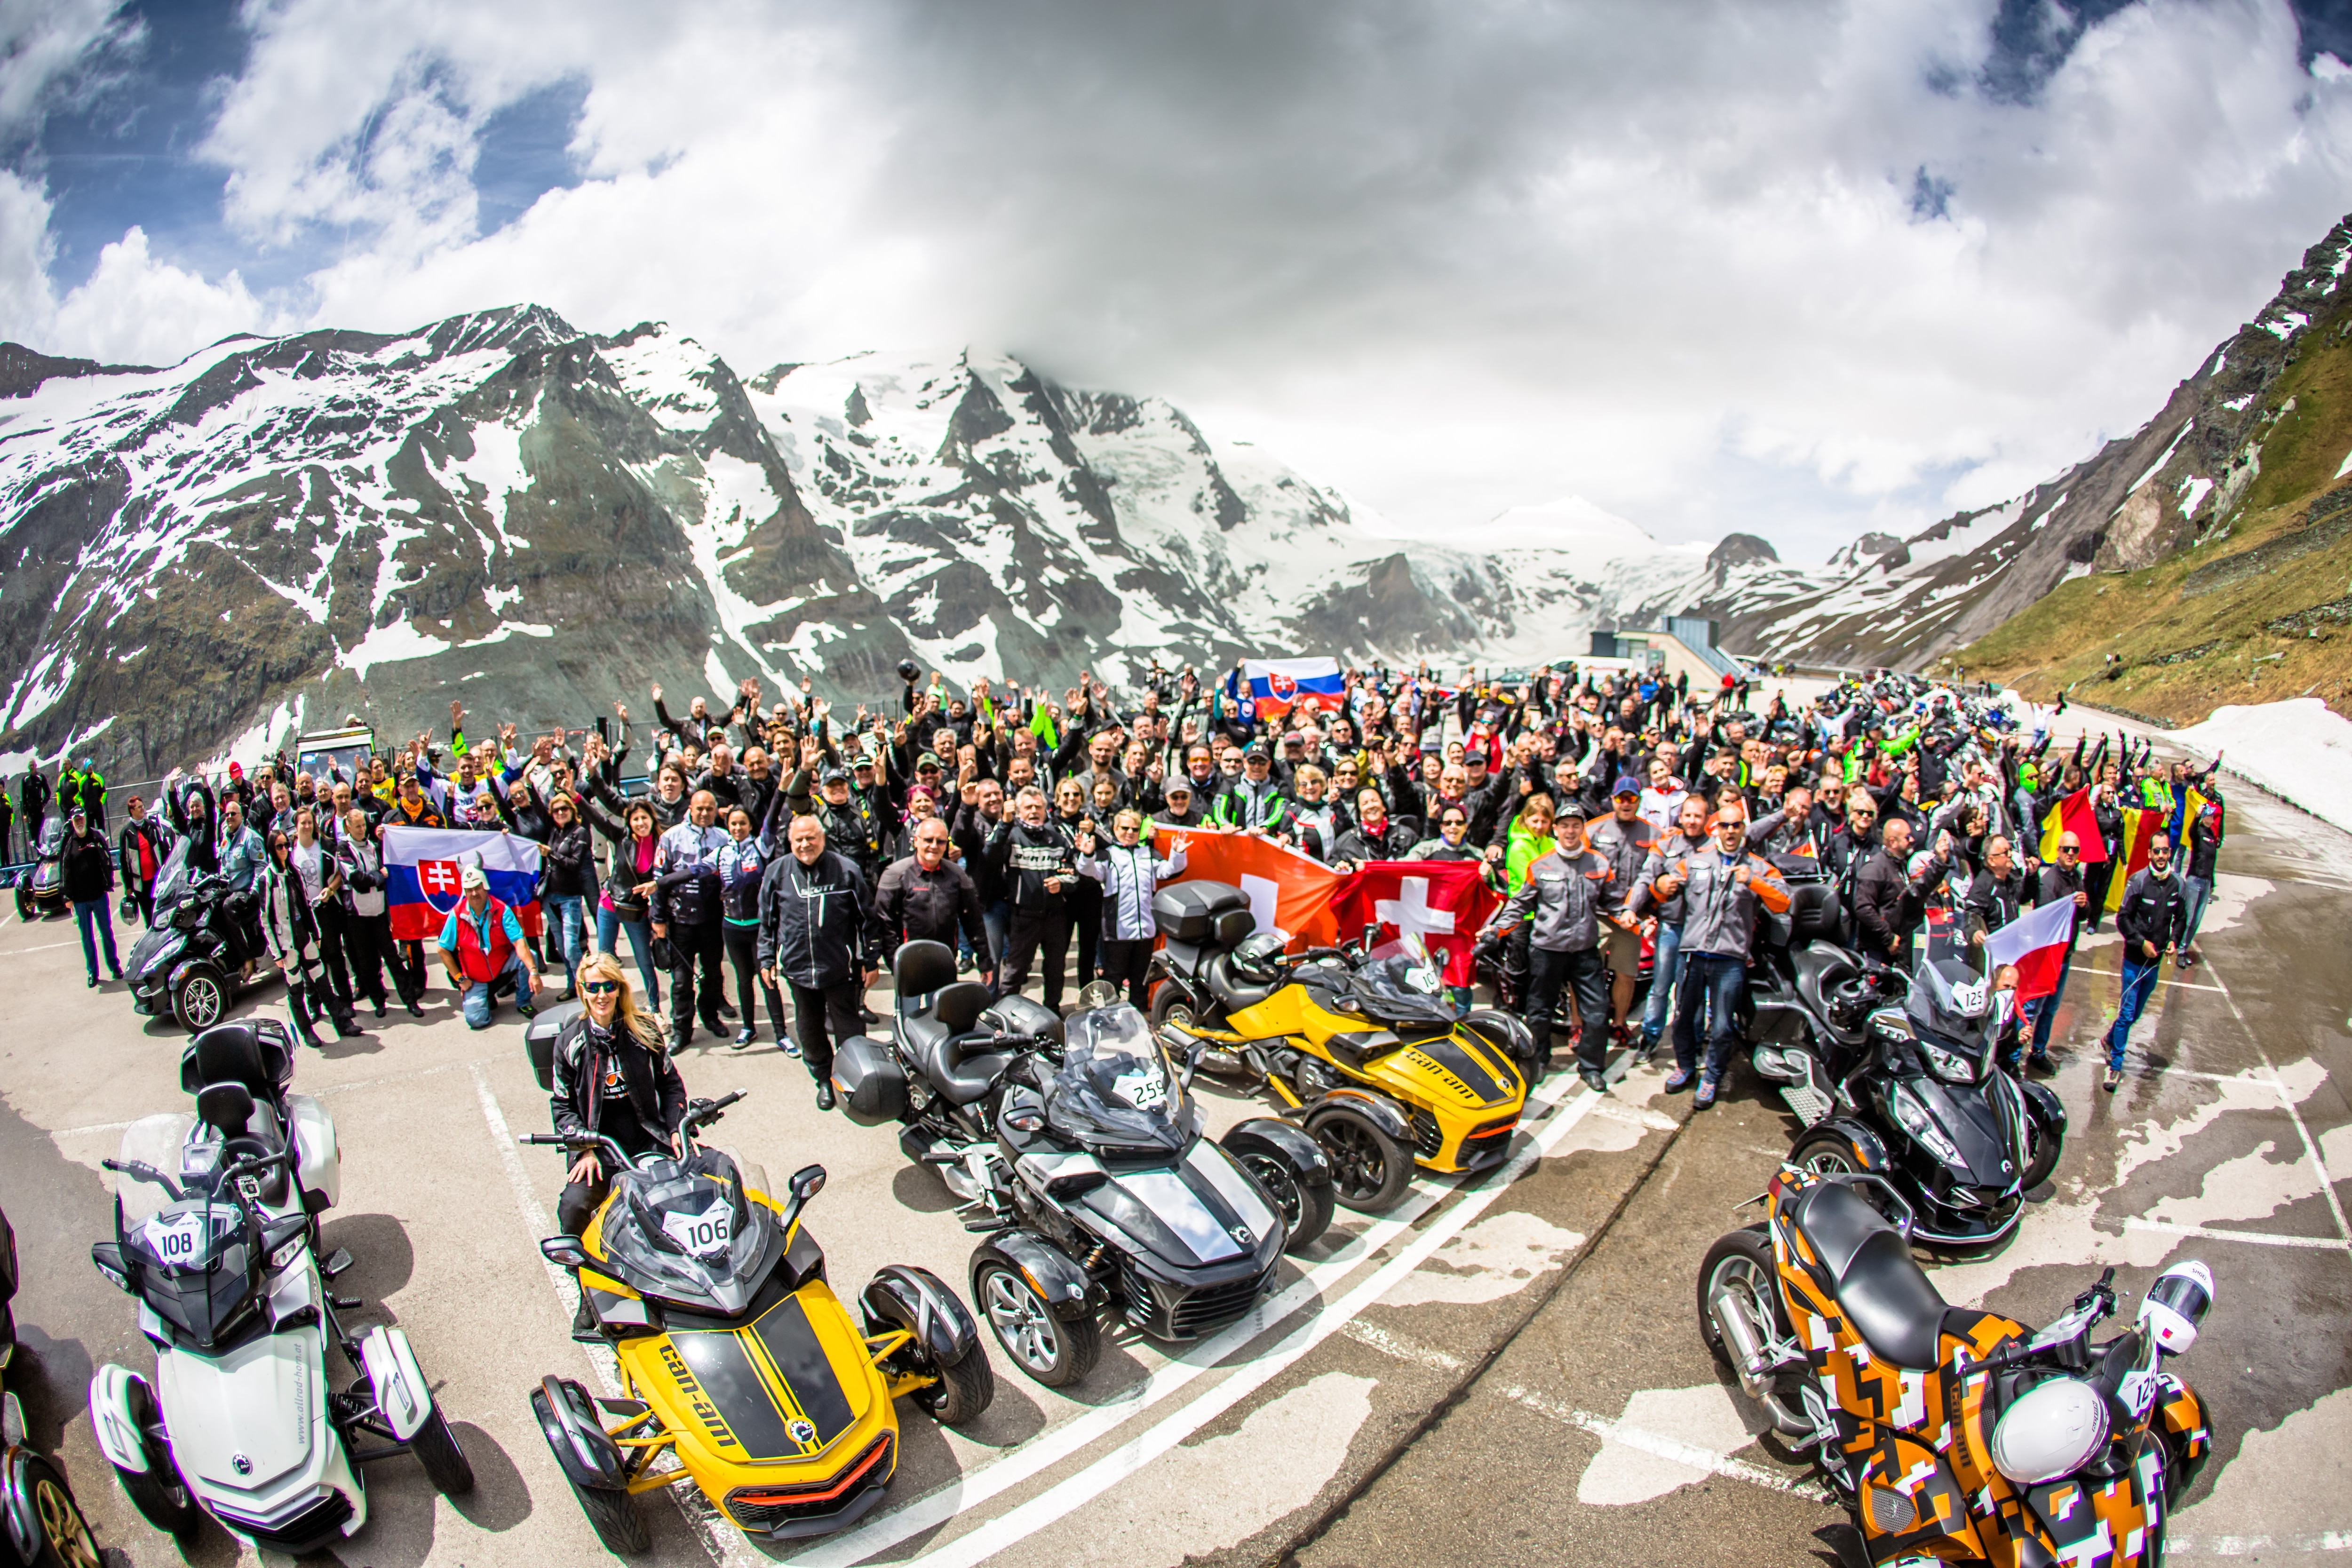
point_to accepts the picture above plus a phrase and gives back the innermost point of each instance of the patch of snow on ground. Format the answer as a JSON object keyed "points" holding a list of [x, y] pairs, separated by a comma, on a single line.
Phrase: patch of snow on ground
{"points": [[2193, 490], [2298, 750]]}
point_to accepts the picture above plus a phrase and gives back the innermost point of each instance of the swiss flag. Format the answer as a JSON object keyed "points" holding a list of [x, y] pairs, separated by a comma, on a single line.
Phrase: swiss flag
{"points": [[1289, 892], [1446, 900]]}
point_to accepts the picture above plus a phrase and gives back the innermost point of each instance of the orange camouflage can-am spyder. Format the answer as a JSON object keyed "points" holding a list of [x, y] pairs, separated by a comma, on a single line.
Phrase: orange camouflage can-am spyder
{"points": [[1956, 1436]]}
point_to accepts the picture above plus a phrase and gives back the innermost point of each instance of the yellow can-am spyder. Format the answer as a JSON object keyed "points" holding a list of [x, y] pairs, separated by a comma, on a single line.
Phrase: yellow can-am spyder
{"points": [[743, 1374], [1367, 1054]]}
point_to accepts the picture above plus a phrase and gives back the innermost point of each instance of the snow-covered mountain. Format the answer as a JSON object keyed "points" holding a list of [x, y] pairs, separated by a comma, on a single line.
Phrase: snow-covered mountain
{"points": [[2178, 481], [504, 509]]}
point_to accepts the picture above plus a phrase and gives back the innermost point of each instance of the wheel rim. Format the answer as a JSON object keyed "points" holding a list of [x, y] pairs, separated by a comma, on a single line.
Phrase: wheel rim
{"points": [[62, 1526], [1278, 1185], [204, 1001], [1357, 1168], [1021, 1322], [1828, 1161]]}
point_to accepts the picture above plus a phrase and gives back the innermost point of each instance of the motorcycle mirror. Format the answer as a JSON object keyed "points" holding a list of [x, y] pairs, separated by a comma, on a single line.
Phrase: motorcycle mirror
{"points": [[565, 1250], [807, 1181]]}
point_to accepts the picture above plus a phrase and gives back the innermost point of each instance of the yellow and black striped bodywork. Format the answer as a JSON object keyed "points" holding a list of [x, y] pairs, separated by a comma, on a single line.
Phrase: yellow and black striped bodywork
{"points": [[782, 1415], [1463, 1093]]}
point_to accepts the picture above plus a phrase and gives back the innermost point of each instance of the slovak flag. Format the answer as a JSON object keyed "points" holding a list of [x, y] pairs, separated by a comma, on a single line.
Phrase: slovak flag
{"points": [[1277, 685], [2036, 943], [424, 870]]}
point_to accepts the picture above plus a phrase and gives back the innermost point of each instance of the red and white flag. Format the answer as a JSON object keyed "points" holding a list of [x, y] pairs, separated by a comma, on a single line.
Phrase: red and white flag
{"points": [[1446, 900], [2036, 943], [1287, 892]]}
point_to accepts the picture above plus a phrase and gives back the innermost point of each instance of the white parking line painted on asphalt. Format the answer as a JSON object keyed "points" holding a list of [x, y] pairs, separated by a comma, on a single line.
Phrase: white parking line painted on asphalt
{"points": [[2310, 1144], [2255, 1545], [1706, 1461], [721, 1540], [1066, 1498], [1051, 1447], [43, 947], [1403, 1349], [2260, 1237]]}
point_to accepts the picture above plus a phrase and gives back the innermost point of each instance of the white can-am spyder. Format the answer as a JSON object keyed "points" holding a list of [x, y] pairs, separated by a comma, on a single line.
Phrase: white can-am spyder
{"points": [[215, 1226]]}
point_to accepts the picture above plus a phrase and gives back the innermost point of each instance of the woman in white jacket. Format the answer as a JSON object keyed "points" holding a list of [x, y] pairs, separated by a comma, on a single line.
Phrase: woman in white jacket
{"points": [[1131, 873]]}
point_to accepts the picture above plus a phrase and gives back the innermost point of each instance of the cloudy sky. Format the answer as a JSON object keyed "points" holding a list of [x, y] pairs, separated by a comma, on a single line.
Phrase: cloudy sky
{"points": [[1793, 266]]}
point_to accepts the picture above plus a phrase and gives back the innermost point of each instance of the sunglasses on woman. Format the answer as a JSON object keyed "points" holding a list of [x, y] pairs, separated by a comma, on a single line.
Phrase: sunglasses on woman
{"points": [[601, 987]]}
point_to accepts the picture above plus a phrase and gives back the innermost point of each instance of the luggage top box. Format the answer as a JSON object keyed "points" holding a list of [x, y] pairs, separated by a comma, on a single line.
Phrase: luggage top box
{"points": [[1202, 912]]}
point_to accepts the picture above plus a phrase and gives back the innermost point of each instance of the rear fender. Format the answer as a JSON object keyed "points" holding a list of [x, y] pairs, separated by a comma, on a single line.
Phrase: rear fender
{"points": [[1280, 1141], [918, 1301], [402, 1395], [1052, 1273], [567, 1419], [116, 1397], [1386, 1113]]}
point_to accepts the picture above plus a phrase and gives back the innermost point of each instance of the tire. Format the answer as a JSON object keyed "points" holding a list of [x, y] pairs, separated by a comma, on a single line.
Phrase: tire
{"points": [[1168, 1006], [65, 1541], [1305, 1211], [2043, 1148], [1055, 1351], [962, 1392], [25, 908], [159, 1494], [1371, 1172], [614, 1516], [446, 1465], [1825, 1152], [1743, 1261], [201, 998]]}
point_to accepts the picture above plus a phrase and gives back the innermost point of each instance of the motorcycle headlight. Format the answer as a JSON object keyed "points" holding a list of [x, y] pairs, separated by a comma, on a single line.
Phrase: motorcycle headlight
{"points": [[2049, 1431], [1919, 1124]]}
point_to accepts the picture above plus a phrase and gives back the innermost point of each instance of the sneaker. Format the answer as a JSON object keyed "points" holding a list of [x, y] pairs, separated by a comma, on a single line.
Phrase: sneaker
{"points": [[526, 1009], [1679, 1080], [1593, 1080], [1645, 1050], [2115, 1078], [114, 971], [1705, 1098], [93, 982], [745, 1036], [791, 1048], [2039, 1062]]}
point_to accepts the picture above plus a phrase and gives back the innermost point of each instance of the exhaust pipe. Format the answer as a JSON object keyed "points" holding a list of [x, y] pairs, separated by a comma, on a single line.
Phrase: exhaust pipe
{"points": [[1738, 1331]]}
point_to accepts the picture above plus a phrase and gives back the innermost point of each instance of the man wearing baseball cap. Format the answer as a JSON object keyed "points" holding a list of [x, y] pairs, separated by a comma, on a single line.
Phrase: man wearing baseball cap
{"points": [[1181, 808], [88, 877], [1624, 839], [483, 950], [1563, 896]]}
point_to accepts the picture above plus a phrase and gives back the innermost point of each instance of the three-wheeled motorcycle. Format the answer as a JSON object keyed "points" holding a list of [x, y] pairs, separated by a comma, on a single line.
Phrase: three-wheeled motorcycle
{"points": [[742, 1374]]}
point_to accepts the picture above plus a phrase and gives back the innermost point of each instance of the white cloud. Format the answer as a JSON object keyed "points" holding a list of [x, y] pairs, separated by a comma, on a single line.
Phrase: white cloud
{"points": [[135, 310], [1454, 258]]}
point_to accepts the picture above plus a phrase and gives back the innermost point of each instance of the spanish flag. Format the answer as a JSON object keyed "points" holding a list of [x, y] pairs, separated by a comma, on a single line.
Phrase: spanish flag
{"points": [[2073, 814]]}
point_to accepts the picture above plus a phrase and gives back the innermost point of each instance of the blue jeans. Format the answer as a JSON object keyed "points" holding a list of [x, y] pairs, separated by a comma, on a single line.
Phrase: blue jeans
{"points": [[2196, 892], [609, 927], [475, 1004], [2041, 1013], [1666, 968], [567, 919], [997, 920], [1713, 979], [2139, 983], [87, 913]]}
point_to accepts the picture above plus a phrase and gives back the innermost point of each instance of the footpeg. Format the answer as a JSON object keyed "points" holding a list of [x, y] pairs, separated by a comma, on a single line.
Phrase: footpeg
{"points": [[337, 1262], [344, 1303]]}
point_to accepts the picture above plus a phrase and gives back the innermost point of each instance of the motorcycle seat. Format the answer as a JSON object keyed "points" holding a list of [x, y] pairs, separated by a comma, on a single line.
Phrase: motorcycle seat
{"points": [[1358, 1048], [1885, 1295], [1230, 991], [953, 1009], [962, 1079]]}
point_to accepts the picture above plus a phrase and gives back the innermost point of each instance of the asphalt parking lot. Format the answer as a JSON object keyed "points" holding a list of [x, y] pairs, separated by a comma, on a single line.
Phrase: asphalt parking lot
{"points": [[1507, 1370]]}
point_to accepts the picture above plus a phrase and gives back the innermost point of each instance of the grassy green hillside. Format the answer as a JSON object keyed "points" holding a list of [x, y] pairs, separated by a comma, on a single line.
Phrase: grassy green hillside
{"points": [[2260, 609]]}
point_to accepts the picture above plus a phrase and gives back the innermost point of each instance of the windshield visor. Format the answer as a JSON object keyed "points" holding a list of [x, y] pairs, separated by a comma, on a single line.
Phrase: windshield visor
{"points": [[1116, 1092], [684, 1231], [196, 1268]]}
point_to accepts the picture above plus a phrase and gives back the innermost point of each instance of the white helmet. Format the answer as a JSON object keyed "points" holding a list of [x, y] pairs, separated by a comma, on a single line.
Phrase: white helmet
{"points": [[2176, 1304], [2049, 1431]]}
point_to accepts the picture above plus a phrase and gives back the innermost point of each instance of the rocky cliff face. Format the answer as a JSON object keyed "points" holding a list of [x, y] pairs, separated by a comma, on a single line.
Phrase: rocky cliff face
{"points": [[506, 509], [2176, 480]]}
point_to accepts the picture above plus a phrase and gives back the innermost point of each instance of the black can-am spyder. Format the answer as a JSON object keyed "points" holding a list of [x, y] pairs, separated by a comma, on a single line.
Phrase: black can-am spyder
{"points": [[184, 964]]}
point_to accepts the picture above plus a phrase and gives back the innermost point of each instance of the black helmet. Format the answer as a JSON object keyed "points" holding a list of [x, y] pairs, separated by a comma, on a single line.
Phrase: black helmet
{"points": [[909, 670], [1258, 958]]}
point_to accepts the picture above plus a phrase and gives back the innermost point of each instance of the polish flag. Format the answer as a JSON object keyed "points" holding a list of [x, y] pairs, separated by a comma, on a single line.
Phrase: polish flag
{"points": [[2036, 943]]}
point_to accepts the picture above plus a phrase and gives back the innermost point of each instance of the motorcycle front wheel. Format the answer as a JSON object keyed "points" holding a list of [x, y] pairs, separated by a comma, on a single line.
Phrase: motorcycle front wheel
{"points": [[1305, 1211], [1370, 1171], [1056, 1352], [65, 1540]]}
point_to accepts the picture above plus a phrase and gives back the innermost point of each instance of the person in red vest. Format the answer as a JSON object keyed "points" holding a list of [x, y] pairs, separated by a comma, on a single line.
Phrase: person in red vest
{"points": [[483, 950]]}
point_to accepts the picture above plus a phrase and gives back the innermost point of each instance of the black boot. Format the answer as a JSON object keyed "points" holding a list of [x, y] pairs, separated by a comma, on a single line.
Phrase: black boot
{"points": [[298, 1005], [347, 1023]]}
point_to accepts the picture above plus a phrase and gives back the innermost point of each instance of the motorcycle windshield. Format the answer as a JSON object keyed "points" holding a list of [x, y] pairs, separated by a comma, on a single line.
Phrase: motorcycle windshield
{"points": [[1404, 989], [172, 881], [53, 838], [1116, 1092], [196, 1268], [682, 1230]]}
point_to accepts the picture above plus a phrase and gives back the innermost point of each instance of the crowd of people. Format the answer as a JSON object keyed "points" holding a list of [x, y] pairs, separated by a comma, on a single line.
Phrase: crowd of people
{"points": [[791, 847]]}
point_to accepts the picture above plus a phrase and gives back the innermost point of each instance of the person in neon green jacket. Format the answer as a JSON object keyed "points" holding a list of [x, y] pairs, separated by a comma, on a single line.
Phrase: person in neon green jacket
{"points": [[1529, 841]]}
